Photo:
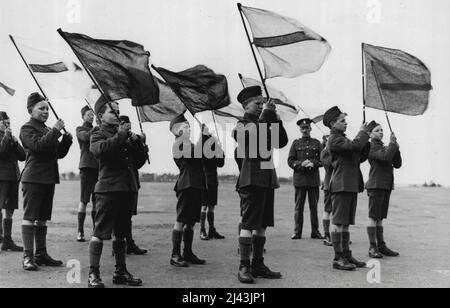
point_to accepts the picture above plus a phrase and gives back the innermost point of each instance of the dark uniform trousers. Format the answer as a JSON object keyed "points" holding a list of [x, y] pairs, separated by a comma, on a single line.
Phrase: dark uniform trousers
{"points": [[300, 199]]}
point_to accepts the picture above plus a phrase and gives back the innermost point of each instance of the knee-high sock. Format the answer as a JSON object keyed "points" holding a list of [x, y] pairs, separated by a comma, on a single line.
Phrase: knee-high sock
{"points": [[380, 236], [346, 242], [372, 233], [119, 253], [336, 238], [245, 247], [28, 240], [210, 217], [95, 254], [7, 229], [258, 249], [176, 242], [202, 220], [188, 238], [81, 219], [40, 238], [326, 226]]}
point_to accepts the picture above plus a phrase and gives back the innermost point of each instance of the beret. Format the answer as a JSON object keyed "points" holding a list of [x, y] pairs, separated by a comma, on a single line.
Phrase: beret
{"points": [[33, 99], [248, 93]]}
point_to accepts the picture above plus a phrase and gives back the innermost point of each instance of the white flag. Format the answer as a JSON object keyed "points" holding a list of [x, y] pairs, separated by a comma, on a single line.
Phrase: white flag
{"points": [[288, 48]]}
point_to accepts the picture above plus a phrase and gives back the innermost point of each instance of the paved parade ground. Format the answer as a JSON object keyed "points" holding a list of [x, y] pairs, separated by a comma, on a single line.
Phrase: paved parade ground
{"points": [[418, 227]]}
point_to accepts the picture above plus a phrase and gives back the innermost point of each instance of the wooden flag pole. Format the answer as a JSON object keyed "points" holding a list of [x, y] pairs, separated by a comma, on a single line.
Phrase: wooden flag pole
{"points": [[382, 97], [108, 99], [35, 80], [363, 82], [193, 115], [253, 50], [90, 107]]}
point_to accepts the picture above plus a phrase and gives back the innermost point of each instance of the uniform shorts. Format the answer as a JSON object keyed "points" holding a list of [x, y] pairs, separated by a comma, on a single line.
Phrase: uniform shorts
{"points": [[257, 207], [189, 206], [88, 179], [37, 201], [327, 201], [379, 203], [344, 208], [209, 196], [9, 195], [113, 214]]}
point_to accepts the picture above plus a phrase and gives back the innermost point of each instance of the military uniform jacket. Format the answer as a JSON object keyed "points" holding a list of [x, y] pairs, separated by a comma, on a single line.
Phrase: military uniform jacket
{"points": [[212, 164], [118, 159], [87, 159], [301, 150], [325, 158], [248, 131], [382, 161], [347, 155], [43, 149], [191, 163], [10, 153]]}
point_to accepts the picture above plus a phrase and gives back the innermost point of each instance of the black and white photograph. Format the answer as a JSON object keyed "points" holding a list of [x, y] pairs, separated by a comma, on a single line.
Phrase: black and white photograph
{"points": [[224, 149]]}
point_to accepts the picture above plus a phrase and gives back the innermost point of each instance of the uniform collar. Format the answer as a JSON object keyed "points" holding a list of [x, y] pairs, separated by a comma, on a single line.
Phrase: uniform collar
{"points": [[337, 132], [37, 123], [305, 138], [110, 128], [251, 117], [88, 125]]}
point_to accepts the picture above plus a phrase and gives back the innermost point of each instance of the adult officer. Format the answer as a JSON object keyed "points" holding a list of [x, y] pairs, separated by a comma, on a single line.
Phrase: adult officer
{"points": [[304, 159]]}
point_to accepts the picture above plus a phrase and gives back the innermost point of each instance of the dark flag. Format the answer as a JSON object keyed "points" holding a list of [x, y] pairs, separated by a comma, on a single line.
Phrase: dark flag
{"points": [[8, 90], [49, 68], [119, 67], [168, 107], [396, 81], [199, 88]]}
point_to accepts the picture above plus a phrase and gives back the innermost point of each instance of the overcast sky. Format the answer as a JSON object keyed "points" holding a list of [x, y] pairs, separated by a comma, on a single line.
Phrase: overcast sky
{"points": [[181, 34]]}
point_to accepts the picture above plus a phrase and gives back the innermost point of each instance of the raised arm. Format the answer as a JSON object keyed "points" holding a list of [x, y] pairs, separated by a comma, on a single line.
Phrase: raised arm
{"points": [[341, 144], [102, 146]]}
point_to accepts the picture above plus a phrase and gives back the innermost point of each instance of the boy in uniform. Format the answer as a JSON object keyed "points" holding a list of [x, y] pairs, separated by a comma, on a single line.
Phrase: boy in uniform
{"points": [[132, 248], [10, 153], [114, 148], [88, 170], [39, 177], [257, 180], [190, 160], [304, 159], [383, 159], [346, 182]]}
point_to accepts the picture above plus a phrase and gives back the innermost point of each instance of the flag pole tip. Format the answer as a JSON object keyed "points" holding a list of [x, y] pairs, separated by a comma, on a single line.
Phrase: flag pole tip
{"points": [[239, 5]]}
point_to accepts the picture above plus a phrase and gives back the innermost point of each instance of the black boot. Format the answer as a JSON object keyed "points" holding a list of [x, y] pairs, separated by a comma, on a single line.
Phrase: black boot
{"points": [[213, 234], [383, 249], [43, 259], [8, 243], [133, 249], [94, 280], [188, 254], [259, 269], [41, 255], [327, 241], [315, 235], [176, 259], [245, 274], [374, 253], [351, 260], [123, 277], [28, 255], [339, 262], [203, 235]]}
